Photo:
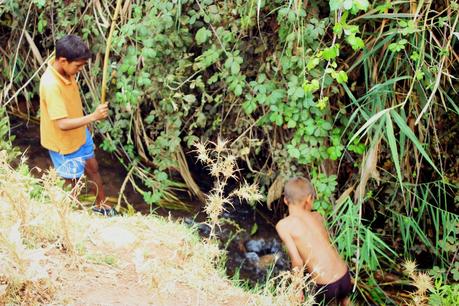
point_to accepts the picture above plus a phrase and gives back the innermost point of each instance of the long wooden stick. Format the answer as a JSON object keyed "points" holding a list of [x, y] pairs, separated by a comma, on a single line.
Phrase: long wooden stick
{"points": [[107, 52]]}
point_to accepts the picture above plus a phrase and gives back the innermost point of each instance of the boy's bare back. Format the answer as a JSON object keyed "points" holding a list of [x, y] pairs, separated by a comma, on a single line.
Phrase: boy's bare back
{"points": [[308, 244], [307, 238]]}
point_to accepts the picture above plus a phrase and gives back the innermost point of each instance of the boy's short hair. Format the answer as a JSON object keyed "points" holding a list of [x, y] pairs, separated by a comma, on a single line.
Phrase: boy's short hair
{"points": [[73, 48], [297, 189]]}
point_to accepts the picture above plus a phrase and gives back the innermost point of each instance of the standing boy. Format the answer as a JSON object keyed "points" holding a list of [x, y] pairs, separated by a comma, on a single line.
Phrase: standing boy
{"points": [[308, 244], [63, 126]]}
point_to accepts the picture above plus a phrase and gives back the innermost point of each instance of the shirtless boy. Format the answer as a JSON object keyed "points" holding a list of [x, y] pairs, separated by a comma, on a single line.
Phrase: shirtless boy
{"points": [[308, 244]]}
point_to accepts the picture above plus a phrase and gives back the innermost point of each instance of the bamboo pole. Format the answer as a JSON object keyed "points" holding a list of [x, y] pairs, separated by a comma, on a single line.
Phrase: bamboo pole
{"points": [[107, 52]]}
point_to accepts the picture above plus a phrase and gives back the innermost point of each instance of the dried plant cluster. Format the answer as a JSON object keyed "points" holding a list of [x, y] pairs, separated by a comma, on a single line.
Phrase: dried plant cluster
{"points": [[221, 162], [421, 281]]}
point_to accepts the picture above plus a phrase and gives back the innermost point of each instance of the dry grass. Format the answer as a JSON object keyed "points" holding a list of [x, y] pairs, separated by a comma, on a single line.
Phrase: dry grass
{"points": [[422, 281], [41, 238], [221, 161]]}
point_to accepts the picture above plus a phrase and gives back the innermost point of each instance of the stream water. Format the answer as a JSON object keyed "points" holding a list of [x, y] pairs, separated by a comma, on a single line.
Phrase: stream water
{"points": [[252, 253]]}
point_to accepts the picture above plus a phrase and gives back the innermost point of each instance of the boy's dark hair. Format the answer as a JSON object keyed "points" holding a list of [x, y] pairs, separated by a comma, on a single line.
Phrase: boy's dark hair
{"points": [[297, 189], [73, 48]]}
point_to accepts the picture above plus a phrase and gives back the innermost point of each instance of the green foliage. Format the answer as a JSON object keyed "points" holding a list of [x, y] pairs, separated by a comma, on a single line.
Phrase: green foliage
{"points": [[398, 46], [6, 140], [325, 187], [349, 228], [301, 89], [444, 294], [203, 35]]}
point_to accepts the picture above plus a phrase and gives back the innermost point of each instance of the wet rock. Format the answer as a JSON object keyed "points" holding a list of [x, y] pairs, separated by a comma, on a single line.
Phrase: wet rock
{"points": [[255, 245], [188, 221], [252, 257], [223, 233], [204, 229], [275, 246], [264, 246], [237, 211], [242, 211], [226, 215]]}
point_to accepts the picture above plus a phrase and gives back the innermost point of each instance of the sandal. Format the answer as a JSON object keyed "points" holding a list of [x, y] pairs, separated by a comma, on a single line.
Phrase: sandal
{"points": [[109, 212]]}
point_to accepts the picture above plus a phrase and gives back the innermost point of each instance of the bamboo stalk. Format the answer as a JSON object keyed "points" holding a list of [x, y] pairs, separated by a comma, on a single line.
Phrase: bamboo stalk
{"points": [[107, 52]]}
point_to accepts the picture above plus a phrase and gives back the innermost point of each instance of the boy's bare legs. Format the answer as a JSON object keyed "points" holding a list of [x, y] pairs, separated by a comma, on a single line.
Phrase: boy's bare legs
{"points": [[70, 184], [92, 171]]}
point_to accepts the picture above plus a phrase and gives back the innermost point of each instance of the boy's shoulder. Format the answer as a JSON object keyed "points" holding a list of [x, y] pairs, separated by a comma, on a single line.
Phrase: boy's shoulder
{"points": [[285, 222], [318, 216], [282, 227], [48, 78]]}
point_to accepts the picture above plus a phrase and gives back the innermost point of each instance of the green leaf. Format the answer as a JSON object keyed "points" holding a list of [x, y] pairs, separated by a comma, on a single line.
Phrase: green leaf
{"points": [[298, 93], [235, 67], [360, 5], [294, 152], [364, 129], [334, 152], [238, 90], [291, 124], [325, 125], [189, 98], [312, 63], [398, 46], [202, 35], [249, 106], [393, 148], [405, 129], [150, 118], [335, 4], [355, 42], [148, 52], [40, 3], [341, 77], [311, 87], [41, 25], [347, 4], [161, 176], [330, 53], [384, 7]]}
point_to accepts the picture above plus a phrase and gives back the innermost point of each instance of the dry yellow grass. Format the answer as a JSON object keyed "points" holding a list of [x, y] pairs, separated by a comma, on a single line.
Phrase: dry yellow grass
{"points": [[422, 281], [43, 242]]}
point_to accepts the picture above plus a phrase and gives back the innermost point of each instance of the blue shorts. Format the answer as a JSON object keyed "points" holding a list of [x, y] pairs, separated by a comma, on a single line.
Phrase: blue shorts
{"points": [[71, 166]]}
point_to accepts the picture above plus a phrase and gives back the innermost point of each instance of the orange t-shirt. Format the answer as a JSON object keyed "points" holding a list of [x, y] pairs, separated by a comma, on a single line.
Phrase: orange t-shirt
{"points": [[59, 98]]}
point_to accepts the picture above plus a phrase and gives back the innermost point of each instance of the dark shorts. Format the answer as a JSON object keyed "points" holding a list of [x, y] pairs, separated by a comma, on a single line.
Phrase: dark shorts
{"points": [[335, 291]]}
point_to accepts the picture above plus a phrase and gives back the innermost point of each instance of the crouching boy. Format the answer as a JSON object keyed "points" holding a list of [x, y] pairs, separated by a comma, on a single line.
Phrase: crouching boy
{"points": [[306, 238]]}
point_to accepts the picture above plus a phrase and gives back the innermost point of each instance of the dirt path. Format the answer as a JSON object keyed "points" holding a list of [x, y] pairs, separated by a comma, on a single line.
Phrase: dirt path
{"points": [[102, 284]]}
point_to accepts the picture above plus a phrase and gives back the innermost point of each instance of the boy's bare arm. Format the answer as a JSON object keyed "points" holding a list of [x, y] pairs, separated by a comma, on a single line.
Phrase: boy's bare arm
{"points": [[65, 124], [297, 261]]}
